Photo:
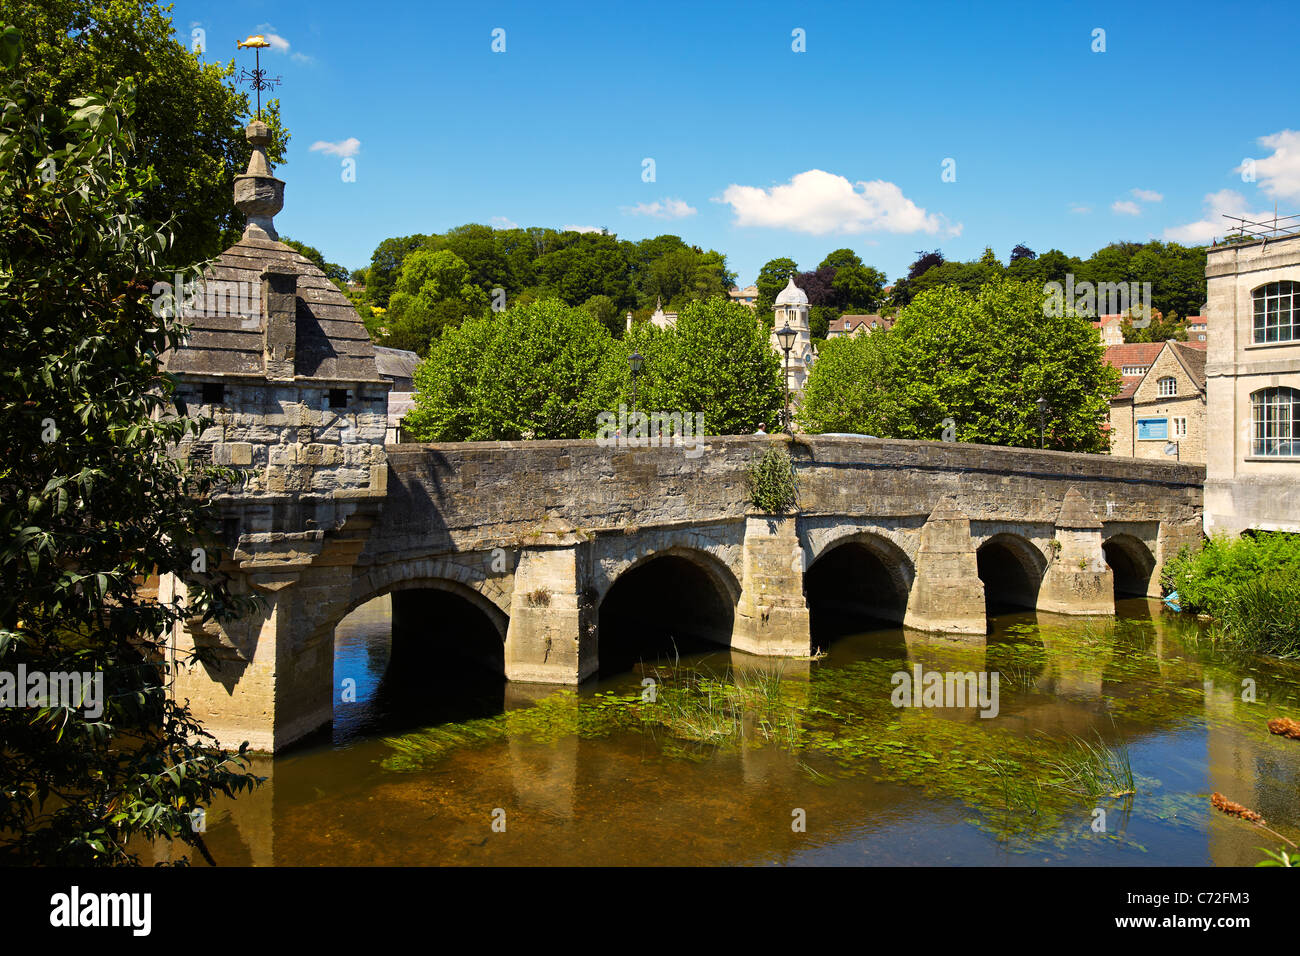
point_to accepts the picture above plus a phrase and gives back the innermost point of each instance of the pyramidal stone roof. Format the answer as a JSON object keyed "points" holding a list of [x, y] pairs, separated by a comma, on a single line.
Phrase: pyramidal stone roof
{"points": [[233, 324]]}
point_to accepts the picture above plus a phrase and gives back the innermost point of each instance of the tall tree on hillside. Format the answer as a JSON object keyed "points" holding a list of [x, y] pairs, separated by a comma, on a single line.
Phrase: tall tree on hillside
{"points": [[189, 121], [433, 292]]}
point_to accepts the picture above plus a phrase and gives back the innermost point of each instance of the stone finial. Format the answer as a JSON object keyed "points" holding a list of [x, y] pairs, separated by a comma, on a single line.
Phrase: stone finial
{"points": [[258, 194]]}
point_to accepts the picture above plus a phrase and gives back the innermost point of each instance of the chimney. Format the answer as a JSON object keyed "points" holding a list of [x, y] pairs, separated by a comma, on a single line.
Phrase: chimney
{"points": [[280, 334]]}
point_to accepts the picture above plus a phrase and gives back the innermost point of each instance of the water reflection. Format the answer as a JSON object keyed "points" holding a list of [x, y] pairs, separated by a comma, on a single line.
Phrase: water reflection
{"points": [[714, 773]]}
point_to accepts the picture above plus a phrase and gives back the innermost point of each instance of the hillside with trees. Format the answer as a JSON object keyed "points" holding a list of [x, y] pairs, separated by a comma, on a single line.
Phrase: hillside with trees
{"points": [[424, 284]]}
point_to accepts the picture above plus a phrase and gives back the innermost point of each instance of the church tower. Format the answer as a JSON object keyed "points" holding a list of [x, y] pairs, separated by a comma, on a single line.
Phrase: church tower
{"points": [[792, 306]]}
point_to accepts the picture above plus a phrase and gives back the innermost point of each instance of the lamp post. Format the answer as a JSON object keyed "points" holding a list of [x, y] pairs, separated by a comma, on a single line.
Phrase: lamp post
{"points": [[634, 362], [786, 337], [1042, 423]]}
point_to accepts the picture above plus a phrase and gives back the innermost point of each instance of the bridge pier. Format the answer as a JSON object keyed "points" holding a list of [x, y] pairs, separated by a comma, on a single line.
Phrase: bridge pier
{"points": [[772, 614], [947, 593], [550, 639], [1078, 580]]}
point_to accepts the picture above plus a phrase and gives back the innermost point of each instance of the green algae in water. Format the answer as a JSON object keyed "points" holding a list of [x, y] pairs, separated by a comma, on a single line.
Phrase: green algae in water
{"points": [[1029, 790]]}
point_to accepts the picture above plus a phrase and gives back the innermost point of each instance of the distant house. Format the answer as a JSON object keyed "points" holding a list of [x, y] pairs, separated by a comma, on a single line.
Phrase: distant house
{"points": [[661, 319], [746, 296], [851, 325], [398, 366], [1197, 328], [1160, 407], [1111, 329]]}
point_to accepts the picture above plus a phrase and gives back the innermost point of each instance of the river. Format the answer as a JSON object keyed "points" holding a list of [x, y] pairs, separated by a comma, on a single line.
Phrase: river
{"points": [[1109, 738]]}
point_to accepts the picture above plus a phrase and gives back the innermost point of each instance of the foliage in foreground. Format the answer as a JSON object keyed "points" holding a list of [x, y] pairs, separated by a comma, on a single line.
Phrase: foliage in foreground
{"points": [[189, 121], [90, 500], [1251, 585]]}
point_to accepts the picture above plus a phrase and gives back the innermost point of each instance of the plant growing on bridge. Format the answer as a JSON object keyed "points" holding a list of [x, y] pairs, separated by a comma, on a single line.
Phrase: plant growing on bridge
{"points": [[91, 499], [773, 484]]}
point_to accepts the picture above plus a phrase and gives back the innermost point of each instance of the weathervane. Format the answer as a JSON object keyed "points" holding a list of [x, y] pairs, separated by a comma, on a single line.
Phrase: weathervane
{"points": [[257, 78]]}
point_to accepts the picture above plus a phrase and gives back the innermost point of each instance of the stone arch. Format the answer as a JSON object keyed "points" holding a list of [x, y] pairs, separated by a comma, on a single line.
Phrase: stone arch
{"points": [[669, 601], [1011, 569], [469, 575], [1131, 563], [858, 577], [717, 550]]}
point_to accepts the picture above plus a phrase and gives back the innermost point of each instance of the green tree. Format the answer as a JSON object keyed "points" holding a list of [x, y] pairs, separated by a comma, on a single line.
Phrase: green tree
{"points": [[387, 259], [983, 360], [542, 370], [849, 387], [433, 292], [716, 360], [92, 500], [189, 124]]}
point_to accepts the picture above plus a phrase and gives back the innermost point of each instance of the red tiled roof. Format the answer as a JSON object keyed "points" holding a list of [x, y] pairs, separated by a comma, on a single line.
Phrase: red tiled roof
{"points": [[1133, 353]]}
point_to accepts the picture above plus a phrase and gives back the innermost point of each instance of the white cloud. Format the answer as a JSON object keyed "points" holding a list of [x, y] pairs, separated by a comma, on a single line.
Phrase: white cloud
{"points": [[501, 222], [661, 209], [1148, 195], [1279, 174], [819, 202], [582, 229], [1080, 208], [278, 43], [347, 147], [300, 58], [1217, 205], [1125, 207]]}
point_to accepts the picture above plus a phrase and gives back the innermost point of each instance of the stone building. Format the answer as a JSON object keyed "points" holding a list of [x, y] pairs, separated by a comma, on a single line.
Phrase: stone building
{"points": [[398, 366], [1253, 375], [848, 326], [661, 319], [791, 307], [1161, 405], [290, 379]]}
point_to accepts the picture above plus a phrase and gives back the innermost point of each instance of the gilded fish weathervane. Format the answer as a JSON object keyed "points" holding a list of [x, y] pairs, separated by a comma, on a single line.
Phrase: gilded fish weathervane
{"points": [[257, 78]]}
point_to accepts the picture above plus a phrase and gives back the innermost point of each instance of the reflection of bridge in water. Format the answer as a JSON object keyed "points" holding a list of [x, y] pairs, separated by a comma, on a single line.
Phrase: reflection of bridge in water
{"points": [[549, 561], [576, 800]]}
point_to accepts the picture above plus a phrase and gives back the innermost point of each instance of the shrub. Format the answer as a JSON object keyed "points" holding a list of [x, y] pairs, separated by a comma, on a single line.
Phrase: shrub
{"points": [[773, 485], [1208, 578]]}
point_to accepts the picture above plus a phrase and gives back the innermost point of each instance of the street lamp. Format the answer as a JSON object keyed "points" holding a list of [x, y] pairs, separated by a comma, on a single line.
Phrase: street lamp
{"points": [[1042, 423], [786, 336], [634, 362]]}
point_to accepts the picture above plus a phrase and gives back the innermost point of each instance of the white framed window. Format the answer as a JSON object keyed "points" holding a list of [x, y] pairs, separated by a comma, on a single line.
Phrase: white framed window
{"points": [[1168, 386], [1135, 369], [1180, 428], [1275, 421], [1275, 312]]}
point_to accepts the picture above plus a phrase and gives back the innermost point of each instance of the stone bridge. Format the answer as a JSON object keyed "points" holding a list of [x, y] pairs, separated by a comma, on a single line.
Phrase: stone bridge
{"points": [[547, 561]]}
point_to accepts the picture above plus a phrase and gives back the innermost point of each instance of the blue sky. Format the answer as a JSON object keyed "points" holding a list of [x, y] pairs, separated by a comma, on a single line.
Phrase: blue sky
{"points": [[760, 151]]}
